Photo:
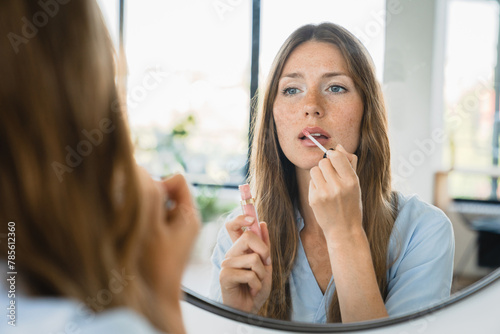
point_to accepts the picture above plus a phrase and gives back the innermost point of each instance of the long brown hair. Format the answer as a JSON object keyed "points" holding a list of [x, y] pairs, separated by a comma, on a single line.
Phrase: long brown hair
{"points": [[274, 179], [68, 180]]}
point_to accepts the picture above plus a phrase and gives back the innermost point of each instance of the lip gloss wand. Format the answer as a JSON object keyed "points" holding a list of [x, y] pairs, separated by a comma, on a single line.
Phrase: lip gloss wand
{"points": [[308, 135]]}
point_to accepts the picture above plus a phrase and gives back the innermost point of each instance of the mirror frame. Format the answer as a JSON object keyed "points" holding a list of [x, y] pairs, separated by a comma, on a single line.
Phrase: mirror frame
{"points": [[219, 309]]}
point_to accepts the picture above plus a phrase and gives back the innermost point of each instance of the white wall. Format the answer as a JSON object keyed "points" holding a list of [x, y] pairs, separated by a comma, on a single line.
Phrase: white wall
{"points": [[413, 88], [413, 81]]}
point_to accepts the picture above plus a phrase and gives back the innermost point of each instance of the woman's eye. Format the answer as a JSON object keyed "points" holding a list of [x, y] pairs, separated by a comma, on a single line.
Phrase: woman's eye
{"points": [[336, 89], [290, 91]]}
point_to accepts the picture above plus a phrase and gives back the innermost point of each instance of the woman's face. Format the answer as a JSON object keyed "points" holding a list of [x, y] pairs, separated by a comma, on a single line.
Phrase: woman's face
{"points": [[316, 93]]}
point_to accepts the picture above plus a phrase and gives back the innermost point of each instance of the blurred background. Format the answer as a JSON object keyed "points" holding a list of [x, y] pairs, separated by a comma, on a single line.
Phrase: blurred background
{"points": [[194, 65]]}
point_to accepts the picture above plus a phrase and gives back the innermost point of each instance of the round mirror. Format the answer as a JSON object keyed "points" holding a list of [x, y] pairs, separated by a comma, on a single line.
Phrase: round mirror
{"points": [[195, 65]]}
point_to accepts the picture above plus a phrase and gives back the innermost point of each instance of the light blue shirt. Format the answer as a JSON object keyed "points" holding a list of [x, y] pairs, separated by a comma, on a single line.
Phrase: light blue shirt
{"points": [[45, 315], [421, 251]]}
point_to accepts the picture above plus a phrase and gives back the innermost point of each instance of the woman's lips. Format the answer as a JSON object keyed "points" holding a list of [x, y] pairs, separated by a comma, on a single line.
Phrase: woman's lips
{"points": [[316, 131], [320, 135], [308, 142]]}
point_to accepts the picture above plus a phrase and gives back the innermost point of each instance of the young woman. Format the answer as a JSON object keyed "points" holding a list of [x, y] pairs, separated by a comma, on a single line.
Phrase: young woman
{"points": [[95, 249], [339, 245]]}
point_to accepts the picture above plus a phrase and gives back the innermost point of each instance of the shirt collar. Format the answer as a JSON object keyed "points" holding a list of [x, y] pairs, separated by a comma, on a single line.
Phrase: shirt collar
{"points": [[299, 219]]}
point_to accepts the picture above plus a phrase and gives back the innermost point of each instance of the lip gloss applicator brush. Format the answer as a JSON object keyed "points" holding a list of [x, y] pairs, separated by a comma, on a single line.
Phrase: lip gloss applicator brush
{"points": [[308, 135]]}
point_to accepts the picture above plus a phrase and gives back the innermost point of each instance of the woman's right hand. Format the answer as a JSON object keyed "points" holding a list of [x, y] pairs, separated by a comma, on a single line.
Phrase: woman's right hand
{"points": [[246, 271]]}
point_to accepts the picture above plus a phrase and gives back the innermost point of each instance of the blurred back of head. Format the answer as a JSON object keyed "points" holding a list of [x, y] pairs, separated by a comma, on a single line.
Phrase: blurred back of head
{"points": [[67, 174]]}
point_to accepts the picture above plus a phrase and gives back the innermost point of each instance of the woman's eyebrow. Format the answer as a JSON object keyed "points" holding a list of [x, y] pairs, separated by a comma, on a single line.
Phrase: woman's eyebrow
{"points": [[295, 75], [334, 74]]}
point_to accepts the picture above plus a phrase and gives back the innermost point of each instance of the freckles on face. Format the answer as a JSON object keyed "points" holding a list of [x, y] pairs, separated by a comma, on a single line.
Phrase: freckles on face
{"points": [[316, 92]]}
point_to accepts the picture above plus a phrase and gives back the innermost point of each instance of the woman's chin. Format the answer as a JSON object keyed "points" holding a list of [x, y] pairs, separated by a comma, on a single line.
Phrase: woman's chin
{"points": [[304, 158], [307, 162]]}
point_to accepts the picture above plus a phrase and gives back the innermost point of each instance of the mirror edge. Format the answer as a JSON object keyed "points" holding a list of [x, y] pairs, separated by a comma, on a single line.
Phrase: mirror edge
{"points": [[219, 309]]}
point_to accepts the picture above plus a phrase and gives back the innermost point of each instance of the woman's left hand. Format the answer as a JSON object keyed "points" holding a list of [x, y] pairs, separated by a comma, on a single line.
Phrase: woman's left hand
{"points": [[335, 194]]}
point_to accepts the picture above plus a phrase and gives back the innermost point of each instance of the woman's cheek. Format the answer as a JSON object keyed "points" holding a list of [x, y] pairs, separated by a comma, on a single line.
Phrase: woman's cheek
{"points": [[278, 117], [284, 118], [278, 121], [283, 126]]}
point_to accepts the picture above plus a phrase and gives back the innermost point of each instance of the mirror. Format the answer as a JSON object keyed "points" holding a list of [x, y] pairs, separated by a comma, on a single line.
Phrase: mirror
{"points": [[189, 100]]}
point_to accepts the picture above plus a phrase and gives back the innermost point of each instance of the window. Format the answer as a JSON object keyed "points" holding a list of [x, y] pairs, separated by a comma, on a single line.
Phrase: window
{"points": [[471, 57], [188, 96], [110, 11]]}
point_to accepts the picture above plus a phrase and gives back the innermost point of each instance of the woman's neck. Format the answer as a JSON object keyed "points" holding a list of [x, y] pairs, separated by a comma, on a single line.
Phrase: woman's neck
{"points": [[173, 317], [311, 226]]}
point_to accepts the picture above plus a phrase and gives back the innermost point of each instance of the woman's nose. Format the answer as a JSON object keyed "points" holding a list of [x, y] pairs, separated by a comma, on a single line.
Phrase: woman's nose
{"points": [[313, 105]]}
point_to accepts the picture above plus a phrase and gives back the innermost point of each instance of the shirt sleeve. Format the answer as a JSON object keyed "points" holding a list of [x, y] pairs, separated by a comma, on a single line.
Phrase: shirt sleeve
{"points": [[224, 243], [422, 273]]}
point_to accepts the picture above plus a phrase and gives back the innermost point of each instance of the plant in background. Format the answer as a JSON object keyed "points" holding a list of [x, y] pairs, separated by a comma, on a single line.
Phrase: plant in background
{"points": [[174, 141], [210, 204], [164, 152]]}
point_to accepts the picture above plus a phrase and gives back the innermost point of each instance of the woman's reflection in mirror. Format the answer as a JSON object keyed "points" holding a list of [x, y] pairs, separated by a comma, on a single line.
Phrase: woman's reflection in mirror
{"points": [[339, 244]]}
